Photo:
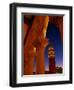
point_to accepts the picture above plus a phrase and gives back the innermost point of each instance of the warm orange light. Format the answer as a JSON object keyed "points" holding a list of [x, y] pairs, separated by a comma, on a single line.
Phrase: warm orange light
{"points": [[34, 50]]}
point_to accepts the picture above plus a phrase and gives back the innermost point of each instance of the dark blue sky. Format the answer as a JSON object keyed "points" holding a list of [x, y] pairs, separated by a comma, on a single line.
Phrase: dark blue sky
{"points": [[53, 36]]}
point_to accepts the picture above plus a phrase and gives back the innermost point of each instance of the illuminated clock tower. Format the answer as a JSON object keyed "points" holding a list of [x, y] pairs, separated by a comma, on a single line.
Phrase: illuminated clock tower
{"points": [[51, 56]]}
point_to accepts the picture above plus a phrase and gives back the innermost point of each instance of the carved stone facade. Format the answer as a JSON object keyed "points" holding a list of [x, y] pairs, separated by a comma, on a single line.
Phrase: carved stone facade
{"points": [[35, 42], [35, 39]]}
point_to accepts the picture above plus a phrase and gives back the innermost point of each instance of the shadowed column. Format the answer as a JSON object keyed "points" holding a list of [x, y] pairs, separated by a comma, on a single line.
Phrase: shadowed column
{"points": [[29, 60], [35, 39], [40, 64]]}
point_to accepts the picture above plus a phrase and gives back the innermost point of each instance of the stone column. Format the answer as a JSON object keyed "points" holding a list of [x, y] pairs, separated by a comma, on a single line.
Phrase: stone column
{"points": [[28, 60], [35, 39], [40, 67], [40, 59]]}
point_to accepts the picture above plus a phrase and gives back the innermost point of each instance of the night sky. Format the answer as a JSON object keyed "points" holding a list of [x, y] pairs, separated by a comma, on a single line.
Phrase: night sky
{"points": [[53, 36]]}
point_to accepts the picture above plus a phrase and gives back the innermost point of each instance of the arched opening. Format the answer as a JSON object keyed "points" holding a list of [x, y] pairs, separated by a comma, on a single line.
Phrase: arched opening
{"points": [[53, 36]]}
